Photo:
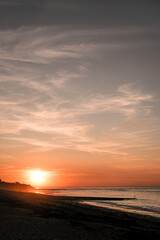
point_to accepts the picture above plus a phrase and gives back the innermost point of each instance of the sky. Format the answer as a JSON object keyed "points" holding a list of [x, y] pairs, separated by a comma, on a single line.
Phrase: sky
{"points": [[79, 92]]}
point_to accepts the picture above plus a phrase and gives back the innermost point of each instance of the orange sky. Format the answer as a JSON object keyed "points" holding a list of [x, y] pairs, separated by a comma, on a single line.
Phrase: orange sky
{"points": [[73, 168]]}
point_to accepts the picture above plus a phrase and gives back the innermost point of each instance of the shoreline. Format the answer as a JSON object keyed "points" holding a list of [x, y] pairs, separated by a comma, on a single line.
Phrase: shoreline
{"points": [[110, 202], [126, 210], [37, 216]]}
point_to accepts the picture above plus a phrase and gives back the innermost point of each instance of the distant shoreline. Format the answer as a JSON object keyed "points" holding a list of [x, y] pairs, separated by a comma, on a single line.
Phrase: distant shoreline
{"points": [[16, 186], [86, 187]]}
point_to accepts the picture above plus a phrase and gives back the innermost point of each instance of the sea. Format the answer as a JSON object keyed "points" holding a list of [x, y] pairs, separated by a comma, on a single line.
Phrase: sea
{"points": [[144, 200]]}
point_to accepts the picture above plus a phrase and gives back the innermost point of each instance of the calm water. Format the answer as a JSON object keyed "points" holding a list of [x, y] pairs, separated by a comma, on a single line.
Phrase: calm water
{"points": [[147, 199]]}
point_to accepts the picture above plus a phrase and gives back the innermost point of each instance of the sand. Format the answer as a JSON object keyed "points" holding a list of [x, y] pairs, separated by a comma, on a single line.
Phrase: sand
{"points": [[27, 216]]}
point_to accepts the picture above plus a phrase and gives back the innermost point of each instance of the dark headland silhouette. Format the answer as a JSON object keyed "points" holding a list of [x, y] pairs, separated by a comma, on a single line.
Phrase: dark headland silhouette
{"points": [[16, 186]]}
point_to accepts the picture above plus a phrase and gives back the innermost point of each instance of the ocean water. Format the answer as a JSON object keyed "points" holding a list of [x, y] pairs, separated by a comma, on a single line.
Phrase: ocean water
{"points": [[147, 198]]}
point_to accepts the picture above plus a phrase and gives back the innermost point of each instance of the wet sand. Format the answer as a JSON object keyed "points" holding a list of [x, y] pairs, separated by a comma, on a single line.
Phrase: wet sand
{"points": [[27, 216]]}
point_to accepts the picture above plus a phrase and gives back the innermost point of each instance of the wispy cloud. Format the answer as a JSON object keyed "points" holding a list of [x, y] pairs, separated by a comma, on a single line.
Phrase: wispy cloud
{"points": [[61, 125], [126, 101], [43, 104], [46, 44]]}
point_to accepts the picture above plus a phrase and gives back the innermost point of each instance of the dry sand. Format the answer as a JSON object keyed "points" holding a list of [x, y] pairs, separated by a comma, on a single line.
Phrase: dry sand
{"points": [[27, 216]]}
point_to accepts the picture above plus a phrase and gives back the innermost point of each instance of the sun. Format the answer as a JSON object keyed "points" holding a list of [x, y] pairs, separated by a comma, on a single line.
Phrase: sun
{"points": [[37, 176]]}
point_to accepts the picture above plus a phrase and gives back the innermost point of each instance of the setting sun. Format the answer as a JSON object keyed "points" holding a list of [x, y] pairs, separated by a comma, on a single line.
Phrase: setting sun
{"points": [[37, 176]]}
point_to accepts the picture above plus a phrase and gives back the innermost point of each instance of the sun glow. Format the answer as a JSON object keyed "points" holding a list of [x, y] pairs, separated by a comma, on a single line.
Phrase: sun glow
{"points": [[38, 176]]}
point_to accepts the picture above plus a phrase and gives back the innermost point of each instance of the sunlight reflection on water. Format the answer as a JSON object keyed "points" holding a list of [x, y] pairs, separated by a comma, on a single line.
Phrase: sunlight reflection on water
{"points": [[147, 198]]}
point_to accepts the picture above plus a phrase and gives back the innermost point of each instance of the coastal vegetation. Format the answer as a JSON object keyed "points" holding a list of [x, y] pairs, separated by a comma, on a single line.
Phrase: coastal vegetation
{"points": [[15, 186]]}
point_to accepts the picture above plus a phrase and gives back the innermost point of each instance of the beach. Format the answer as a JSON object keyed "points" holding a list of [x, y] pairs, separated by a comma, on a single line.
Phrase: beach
{"points": [[35, 216]]}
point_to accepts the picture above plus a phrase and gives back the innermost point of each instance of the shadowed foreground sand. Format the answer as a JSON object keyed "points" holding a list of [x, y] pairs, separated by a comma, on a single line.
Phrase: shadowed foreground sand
{"points": [[27, 216]]}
